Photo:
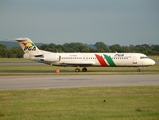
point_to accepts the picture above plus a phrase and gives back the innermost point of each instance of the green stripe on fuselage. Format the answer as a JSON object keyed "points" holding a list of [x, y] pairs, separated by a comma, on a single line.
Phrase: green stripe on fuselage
{"points": [[109, 60]]}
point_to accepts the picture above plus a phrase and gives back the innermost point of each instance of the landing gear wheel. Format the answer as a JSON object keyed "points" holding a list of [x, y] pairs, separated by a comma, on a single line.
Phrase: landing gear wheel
{"points": [[77, 70], [84, 69], [138, 70]]}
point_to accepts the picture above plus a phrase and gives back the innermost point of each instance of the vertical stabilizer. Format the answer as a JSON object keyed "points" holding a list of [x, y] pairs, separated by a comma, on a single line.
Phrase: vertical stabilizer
{"points": [[28, 46]]}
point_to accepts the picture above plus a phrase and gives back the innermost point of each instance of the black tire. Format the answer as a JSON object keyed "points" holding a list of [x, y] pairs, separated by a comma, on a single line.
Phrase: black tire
{"points": [[77, 70], [84, 69], [138, 70]]}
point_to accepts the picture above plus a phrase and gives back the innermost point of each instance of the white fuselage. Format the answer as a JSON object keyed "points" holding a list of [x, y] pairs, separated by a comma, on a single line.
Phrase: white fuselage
{"points": [[96, 59]]}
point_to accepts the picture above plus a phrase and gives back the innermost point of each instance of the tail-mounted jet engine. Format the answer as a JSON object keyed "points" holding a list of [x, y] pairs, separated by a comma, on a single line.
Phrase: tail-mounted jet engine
{"points": [[50, 58]]}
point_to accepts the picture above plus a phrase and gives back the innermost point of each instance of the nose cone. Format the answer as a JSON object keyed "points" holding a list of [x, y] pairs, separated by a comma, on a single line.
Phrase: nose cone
{"points": [[152, 62]]}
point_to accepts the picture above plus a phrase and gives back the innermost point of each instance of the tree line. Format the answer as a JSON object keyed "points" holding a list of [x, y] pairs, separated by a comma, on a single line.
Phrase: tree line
{"points": [[16, 52]]}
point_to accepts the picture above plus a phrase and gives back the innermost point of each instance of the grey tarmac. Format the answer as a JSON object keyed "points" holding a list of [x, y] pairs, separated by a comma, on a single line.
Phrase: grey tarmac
{"points": [[72, 81]]}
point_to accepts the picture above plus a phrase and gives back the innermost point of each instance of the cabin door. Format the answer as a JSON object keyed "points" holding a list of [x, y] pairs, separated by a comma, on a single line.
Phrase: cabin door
{"points": [[134, 60]]}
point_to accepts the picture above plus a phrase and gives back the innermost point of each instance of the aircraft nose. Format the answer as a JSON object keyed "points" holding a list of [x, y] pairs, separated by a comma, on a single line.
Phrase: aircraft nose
{"points": [[152, 62]]}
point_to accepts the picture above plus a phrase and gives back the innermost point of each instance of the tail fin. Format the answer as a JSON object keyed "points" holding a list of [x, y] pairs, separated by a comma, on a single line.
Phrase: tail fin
{"points": [[28, 46]]}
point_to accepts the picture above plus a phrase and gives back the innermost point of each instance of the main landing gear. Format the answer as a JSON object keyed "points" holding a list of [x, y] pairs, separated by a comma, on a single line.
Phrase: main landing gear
{"points": [[83, 69], [138, 70]]}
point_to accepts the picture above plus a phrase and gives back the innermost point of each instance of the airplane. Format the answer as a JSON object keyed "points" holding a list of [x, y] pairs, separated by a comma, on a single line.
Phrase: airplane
{"points": [[84, 60]]}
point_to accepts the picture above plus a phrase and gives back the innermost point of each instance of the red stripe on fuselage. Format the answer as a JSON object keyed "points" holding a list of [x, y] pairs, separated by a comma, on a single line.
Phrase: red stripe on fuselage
{"points": [[101, 60]]}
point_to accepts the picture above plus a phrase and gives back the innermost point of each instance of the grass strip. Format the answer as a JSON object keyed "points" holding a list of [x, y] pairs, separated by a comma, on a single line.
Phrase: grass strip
{"points": [[50, 70], [87, 103]]}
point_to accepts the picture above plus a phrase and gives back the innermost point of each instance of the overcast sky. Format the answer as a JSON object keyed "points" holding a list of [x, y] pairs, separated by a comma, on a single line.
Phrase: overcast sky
{"points": [[121, 22]]}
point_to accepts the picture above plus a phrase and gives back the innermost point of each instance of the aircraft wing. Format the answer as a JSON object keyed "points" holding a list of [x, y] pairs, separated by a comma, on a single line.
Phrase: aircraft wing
{"points": [[81, 64]]}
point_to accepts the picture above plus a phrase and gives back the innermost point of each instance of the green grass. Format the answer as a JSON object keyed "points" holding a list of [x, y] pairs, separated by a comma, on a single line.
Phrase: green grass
{"points": [[126, 103], [14, 60], [50, 70]]}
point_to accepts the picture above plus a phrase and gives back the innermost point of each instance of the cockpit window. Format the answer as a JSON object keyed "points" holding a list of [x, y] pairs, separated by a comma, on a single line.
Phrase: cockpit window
{"points": [[143, 57]]}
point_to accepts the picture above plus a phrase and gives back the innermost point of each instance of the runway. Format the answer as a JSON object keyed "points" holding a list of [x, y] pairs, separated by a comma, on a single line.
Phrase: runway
{"points": [[72, 81]]}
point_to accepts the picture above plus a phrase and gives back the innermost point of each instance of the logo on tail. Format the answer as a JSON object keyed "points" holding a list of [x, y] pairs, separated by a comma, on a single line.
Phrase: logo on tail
{"points": [[29, 46]]}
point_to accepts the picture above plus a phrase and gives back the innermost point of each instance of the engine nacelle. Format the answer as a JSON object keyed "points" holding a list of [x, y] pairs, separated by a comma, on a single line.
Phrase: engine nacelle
{"points": [[50, 58]]}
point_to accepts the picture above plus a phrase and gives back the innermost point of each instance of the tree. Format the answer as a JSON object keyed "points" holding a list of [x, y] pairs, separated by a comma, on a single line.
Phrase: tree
{"points": [[116, 48], [43, 47], [59, 48], [3, 52], [101, 47], [2, 46], [15, 52], [67, 47], [125, 49]]}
